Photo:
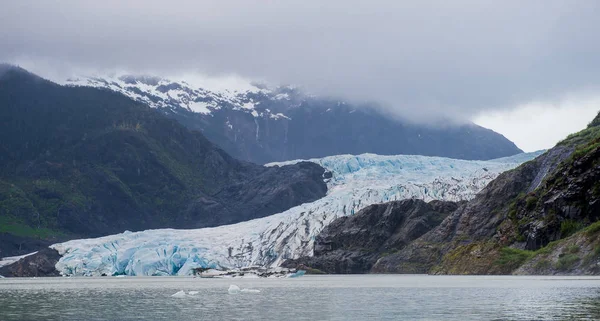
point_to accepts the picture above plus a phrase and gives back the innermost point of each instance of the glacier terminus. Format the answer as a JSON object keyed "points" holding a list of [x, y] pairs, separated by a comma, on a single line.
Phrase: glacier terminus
{"points": [[354, 182]]}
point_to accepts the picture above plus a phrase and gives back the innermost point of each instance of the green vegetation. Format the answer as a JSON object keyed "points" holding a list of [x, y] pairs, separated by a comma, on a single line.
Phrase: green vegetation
{"points": [[566, 261], [14, 226], [569, 227], [511, 258], [530, 202], [582, 137], [512, 208], [14, 201], [595, 122], [572, 249], [542, 264], [592, 256], [586, 148], [547, 249], [584, 142], [593, 229]]}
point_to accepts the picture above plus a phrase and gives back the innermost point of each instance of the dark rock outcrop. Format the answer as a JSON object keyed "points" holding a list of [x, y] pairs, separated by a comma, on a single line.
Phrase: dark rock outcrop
{"points": [[476, 221], [352, 244], [40, 264], [273, 190]]}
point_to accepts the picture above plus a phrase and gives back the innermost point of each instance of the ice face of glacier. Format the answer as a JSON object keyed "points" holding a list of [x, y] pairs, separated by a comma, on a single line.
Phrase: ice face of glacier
{"points": [[355, 182]]}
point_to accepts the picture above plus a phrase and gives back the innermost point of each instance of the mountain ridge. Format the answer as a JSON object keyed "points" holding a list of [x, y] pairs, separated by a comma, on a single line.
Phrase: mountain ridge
{"points": [[263, 125], [82, 161]]}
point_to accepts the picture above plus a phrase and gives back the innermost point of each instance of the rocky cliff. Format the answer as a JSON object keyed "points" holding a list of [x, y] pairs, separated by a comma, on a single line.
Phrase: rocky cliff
{"points": [[39, 264], [352, 244], [541, 218]]}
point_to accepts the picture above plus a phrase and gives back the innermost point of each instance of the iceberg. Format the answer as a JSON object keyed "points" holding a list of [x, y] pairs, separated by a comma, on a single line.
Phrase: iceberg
{"points": [[354, 182], [233, 289], [297, 274], [179, 294]]}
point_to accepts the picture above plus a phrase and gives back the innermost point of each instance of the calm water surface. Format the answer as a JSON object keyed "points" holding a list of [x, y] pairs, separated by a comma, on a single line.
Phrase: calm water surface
{"points": [[368, 297]]}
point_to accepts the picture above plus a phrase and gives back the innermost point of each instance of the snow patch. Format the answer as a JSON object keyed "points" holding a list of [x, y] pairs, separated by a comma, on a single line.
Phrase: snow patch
{"points": [[12, 259], [199, 107]]}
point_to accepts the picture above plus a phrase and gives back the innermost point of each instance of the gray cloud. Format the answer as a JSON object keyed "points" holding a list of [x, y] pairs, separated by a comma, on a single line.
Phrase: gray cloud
{"points": [[418, 58]]}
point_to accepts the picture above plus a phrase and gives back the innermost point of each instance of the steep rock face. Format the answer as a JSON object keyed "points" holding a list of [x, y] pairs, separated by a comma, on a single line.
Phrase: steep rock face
{"points": [[81, 162], [352, 244], [273, 190], [565, 202], [476, 221], [262, 125], [578, 254], [539, 218]]}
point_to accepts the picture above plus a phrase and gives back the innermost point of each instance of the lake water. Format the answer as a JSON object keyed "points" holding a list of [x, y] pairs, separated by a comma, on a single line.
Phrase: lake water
{"points": [[354, 297]]}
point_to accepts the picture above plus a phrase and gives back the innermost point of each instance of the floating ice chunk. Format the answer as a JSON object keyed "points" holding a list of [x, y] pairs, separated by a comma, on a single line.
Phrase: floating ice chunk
{"points": [[233, 289], [250, 291], [193, 292], [297, 274], [180, 294], [1, 277], [120, 276]]}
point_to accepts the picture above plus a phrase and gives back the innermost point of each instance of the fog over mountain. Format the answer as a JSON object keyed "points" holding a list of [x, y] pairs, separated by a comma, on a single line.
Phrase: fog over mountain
{"points": [[425, 61]]}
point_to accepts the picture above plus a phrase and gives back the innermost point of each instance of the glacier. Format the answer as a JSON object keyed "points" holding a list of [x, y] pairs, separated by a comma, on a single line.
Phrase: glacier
{"points": [[354, 182]]}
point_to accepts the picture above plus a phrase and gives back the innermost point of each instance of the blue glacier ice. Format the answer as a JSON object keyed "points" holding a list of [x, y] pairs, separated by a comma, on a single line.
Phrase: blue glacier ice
{"points": [[298, 273], [356, 182]]}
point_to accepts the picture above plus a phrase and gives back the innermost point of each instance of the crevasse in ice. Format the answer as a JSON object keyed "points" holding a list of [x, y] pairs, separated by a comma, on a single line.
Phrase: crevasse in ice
{"points": [[356, 182]]}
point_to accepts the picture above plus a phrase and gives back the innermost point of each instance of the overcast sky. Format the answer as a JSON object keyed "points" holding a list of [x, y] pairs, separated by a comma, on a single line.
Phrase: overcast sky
{"points": [[528, 69]]}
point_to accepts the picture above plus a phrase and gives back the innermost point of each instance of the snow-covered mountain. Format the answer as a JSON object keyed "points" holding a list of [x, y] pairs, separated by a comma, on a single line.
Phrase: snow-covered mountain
{"points": [[203, 97], [264, 124], [355, 182]]}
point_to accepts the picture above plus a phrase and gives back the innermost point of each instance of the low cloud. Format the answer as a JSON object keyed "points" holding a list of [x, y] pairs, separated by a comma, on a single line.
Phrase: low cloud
{"points": [[423, 60], [540, 125]]}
